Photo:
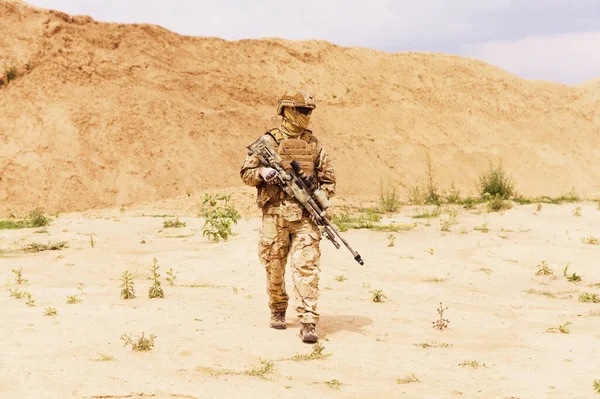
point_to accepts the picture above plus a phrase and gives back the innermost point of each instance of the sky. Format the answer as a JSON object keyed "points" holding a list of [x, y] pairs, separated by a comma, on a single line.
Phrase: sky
{"points": [[551, 40]]}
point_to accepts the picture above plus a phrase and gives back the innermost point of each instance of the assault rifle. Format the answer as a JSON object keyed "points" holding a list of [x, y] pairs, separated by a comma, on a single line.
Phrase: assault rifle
{"points": [[299, 186]]}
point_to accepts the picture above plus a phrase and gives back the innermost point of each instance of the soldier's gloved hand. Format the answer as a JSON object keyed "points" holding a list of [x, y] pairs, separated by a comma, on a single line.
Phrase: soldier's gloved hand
{"points": [[268, 174]]}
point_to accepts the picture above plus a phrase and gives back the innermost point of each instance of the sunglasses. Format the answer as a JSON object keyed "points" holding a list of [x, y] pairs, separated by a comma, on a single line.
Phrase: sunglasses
{"points": [[304, 110]]}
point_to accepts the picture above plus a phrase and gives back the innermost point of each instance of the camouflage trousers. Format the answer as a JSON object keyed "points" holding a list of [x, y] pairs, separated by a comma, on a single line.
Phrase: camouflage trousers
{"points": [[299, 240]]}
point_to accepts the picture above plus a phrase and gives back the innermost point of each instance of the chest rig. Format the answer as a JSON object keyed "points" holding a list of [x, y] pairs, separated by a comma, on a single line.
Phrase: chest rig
{"points": [[300, 149]]}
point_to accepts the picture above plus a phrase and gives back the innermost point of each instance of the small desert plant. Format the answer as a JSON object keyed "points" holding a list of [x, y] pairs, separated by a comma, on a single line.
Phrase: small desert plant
{"points": [[266, 368], [378, 296], [572, 278], [388, 198], [155, 290], [562, 328], [333, 384], [441, 323], [538, 207], [142, 344], [495, 203], [591, 240], [34, 218], [543, 269], [37, 247], [92, 243], [340, 278], [171, 276], [30, 300], [597, 385], [19, 276], [452, 196], [317, 354], [173, 223], [408, 379], [50, 311], [446, 224], [426, 345], [219, 217], [577, 211], [589, 297], [495, 183], [73, 299], [16, 293], [128, 291], [432, 196], [472, 363], [391, 239]]}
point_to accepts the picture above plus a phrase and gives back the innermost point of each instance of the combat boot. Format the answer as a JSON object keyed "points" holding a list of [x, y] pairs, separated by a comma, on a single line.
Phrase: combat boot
{"points": [[307, 333], [278, 320]]}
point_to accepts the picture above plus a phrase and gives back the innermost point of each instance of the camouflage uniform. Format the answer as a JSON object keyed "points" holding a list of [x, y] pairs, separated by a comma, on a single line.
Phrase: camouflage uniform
{"points": [[286, 227]]}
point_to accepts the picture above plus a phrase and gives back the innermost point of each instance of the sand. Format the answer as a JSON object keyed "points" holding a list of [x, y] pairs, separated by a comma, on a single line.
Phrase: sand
{"points": [[211, 327]]}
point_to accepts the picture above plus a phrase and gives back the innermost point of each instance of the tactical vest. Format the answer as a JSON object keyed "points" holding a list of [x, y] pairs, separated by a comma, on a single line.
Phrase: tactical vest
{"points": [[301, 149]]}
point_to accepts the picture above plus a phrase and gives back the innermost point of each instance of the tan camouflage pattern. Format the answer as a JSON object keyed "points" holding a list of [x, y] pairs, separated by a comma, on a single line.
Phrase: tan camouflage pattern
{"points": [[323, 171], [300, 239], [287, 232]]}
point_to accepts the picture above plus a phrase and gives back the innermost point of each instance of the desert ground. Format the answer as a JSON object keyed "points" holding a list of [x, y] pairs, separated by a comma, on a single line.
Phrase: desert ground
{"points": [[115, 132], [499, 337]]}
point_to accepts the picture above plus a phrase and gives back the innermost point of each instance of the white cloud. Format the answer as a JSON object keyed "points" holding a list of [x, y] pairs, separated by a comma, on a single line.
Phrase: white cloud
{"points": [[568, 58]]}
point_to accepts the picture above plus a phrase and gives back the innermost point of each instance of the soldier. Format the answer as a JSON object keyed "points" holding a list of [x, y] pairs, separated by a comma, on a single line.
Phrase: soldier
{"points": [[286, 227]]}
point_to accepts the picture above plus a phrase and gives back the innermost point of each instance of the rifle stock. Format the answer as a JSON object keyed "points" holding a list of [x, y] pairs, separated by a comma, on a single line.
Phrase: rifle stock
{"points": [[297, 185]]}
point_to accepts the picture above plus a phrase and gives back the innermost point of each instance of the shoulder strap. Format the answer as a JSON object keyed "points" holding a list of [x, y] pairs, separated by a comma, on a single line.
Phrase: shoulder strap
{"points": [[276, 134]]}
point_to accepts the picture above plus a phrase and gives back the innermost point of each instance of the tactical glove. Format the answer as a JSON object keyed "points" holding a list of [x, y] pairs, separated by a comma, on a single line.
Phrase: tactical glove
{"points": [[268, 174]]}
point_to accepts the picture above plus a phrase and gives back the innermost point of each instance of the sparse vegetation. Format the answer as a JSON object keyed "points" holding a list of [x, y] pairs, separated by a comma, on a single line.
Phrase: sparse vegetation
{"points": [[333, 384], [34, 218], [141, 344], [155, 290], [562, 328], [472, 363], [316, 354], [494, 184], [589, 297], [73, 299], [378, 296], [267, 367], [128, 291], [572, 278], [30, 301], [173, 223], [10, 74], [408, 379], [597, 385], [220, 215], [426, 345], [340, 278], [49, 311], [543, 269], [38, 247], [391, 239], [19, 276], [577, 211], [591, 240], [441, 323], [171, 276], [388, 198], [367, 219]]}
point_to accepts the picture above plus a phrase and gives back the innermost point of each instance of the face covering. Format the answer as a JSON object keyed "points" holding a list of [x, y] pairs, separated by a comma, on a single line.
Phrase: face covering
{"points": [[294, 121]]}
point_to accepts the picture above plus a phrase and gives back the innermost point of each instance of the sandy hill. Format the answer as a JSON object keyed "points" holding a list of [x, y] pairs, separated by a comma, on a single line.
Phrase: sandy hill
{"points": [[110, 114]]}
